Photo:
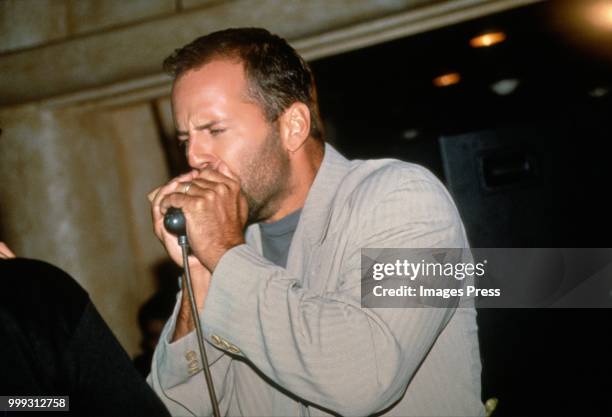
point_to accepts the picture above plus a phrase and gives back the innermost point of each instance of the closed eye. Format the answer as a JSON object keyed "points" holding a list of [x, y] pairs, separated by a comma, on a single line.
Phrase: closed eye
{"points": [[215, 132]]}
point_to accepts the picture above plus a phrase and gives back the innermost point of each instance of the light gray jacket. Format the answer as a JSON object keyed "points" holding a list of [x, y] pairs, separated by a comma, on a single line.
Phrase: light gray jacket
{"points": [[296, 341]]}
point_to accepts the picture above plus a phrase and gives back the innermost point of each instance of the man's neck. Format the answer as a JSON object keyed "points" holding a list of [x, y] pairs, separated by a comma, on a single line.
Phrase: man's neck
{"points": [[305, 165]]}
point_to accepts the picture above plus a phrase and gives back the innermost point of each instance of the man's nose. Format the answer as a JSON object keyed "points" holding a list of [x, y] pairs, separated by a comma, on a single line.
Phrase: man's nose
{"points": [[199, 154]]}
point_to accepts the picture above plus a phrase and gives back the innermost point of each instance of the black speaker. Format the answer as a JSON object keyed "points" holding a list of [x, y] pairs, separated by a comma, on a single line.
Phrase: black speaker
{"points": [[543, 185]]}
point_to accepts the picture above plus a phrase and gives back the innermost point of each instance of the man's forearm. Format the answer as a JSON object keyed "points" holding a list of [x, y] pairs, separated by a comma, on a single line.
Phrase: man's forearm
{"points": [[200, 280]]}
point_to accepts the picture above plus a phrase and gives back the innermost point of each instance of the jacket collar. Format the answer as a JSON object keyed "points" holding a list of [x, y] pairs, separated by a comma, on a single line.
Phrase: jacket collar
{"points": [[317, 208]]}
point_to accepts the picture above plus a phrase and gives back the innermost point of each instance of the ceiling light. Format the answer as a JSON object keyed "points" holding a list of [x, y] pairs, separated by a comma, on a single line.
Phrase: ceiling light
{"points": [[599, 92], [410, 134], [487, 39], [601, 14], [447, 79], [505, 87]]}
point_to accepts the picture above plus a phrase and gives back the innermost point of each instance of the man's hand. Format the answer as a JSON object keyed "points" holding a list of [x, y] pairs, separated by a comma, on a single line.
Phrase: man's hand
{"points": [[215, 211], [5, 252], [167, 239]]}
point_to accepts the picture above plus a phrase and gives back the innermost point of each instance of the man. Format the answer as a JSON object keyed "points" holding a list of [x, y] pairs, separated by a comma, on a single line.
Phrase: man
{"points": [[280, 304]]}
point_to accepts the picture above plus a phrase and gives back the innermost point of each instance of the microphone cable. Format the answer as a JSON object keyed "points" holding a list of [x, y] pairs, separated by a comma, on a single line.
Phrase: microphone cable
{"points": [[174, 222]]}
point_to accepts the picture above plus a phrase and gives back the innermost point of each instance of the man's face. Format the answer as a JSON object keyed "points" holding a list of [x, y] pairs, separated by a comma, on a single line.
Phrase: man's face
{"points": [[217, 121]]}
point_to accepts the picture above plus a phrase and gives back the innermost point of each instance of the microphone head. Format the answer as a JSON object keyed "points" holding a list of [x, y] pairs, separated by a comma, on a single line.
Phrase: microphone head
{"points": [[174, 222]]}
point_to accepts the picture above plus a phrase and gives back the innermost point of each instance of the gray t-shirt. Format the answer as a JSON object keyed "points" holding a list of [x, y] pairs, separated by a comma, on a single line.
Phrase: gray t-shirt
{"points": [[276, 238]]}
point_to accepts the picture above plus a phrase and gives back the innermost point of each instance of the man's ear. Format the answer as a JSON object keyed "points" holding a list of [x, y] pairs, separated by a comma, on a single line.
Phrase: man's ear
{"points": [[295, 126]]}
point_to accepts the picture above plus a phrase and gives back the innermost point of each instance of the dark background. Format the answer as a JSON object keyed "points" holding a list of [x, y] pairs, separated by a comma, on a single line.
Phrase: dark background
{"points": [[527, 169]]}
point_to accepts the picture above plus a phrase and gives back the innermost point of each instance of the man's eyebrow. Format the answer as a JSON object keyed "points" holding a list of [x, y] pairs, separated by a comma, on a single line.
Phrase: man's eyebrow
{"points": [[199, 128]]}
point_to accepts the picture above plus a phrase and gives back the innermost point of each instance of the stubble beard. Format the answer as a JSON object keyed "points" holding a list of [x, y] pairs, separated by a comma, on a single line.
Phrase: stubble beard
{"points": [[266, 178]]}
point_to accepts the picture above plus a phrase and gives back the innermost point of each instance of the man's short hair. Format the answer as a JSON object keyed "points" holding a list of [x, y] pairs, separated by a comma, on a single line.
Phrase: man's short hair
{"points": [[276, 74]]}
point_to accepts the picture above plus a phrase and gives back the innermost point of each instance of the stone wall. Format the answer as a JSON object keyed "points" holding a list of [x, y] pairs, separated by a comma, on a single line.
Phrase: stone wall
{"points": [[73, 193]]}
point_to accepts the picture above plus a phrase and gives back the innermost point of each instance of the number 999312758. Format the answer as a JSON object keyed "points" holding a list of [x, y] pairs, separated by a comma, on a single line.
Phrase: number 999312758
{"points": [[34, 402]]}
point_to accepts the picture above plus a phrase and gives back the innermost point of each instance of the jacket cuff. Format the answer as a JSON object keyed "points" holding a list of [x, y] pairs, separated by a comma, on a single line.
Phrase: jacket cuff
{"points": [[180, 360]]}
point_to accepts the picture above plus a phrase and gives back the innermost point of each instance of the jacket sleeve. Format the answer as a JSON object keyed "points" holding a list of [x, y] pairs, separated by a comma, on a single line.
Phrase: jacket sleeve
{"points": [[326, 348], [176, 373]]}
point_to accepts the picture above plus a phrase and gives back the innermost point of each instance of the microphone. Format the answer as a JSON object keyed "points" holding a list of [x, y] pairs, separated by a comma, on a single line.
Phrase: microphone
{"points": [[175, 223]]}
